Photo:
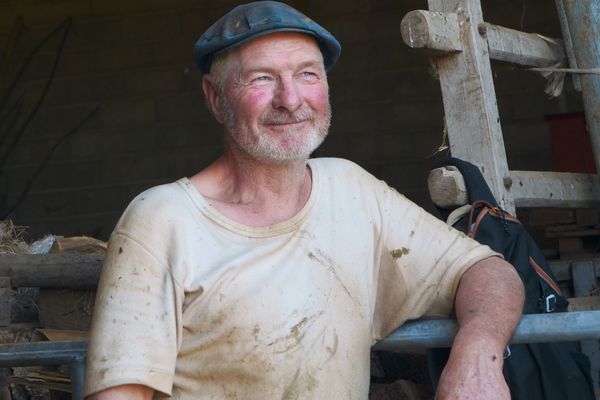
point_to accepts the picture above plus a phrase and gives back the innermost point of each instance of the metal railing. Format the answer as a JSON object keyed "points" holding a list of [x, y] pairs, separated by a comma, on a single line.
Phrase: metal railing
{"points": [[535, 328]]}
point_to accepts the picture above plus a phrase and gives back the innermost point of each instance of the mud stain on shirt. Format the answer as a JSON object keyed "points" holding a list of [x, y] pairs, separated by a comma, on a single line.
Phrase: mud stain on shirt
{"points": [[396, 254]]}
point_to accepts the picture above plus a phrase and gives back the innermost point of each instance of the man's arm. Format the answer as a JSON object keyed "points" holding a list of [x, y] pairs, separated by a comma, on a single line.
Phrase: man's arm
{"points": [[489, 304], [124, 392]]}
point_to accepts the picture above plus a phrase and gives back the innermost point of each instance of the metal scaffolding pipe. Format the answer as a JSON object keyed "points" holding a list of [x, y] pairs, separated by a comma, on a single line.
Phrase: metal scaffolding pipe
{"points": [[49, 353], [533, 328], [583, 24]]}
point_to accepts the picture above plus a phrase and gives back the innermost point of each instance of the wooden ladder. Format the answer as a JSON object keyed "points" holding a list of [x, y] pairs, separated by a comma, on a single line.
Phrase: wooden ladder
{"points": [[462, 44]]}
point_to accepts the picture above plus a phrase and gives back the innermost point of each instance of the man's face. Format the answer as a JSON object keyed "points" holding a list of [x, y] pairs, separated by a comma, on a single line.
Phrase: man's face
{"points": [[275, 102]]}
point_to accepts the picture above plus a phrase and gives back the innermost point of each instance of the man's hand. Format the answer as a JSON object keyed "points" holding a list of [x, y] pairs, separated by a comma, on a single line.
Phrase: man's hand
{"points": [[124, 392], [489, 303]]}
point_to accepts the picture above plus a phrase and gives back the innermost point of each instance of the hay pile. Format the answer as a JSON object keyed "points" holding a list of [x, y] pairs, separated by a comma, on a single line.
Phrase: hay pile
{"points": [[12, 238]]}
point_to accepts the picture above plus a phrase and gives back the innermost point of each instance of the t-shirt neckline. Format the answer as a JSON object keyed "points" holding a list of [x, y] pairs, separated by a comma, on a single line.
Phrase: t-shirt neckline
{"points": [[279, 228]]}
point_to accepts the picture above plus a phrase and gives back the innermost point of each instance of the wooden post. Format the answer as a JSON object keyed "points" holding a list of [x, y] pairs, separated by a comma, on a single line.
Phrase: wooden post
{"points": [[583, 19], [470, 107]]}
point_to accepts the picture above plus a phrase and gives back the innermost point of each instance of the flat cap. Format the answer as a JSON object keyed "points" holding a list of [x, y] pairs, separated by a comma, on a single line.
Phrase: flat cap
{"points": [[249, 21]]}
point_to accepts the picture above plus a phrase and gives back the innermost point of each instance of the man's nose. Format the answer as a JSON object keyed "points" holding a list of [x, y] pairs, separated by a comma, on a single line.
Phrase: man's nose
{"points": [[287, 95]]}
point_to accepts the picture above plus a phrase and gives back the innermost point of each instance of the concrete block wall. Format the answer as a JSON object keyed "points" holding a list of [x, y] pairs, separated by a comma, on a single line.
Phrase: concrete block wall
{"points": [[131, 59]]}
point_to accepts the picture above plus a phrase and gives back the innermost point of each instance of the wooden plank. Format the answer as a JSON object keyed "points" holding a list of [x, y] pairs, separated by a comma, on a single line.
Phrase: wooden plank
{"points": [[588, 303], [551, 216], [471, 111], [555, 189], [572, 233], [68, 271], [522, 48]]}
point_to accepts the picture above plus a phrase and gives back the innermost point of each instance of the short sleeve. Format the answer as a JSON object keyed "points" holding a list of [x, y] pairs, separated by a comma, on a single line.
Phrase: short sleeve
{"points": [[421, 263], [135, 332]]}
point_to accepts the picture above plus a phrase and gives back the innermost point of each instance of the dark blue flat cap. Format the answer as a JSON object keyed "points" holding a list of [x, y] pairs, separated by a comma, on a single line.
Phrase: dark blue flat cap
{"points": [[249, 21]]}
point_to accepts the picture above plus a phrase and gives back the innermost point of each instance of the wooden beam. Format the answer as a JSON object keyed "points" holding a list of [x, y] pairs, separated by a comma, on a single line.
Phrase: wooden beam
{"points": [[434, 31], [471, 112], [554, 189], [440, 33], [59, 271], [521, 48]]}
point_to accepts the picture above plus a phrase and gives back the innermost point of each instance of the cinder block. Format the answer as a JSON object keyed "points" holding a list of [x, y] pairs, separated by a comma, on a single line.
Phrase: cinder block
{"points": [[360, 147], [179, 107], [62, 119], [118, 7], [61, 175], [33, 150], [96, 33], [177, 53], [190, 135], [394, 146], [8, 14], [124, 57], [411, 114], [132, 168], [127, 113], [338, 7], [148, 28], [156, 81], [48, 12], [76, 62], [429, 143], [196, 21], [355, 118]]}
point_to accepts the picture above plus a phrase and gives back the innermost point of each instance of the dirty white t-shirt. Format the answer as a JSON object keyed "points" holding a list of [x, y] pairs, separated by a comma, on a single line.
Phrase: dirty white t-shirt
{"points": [[198, 306]]}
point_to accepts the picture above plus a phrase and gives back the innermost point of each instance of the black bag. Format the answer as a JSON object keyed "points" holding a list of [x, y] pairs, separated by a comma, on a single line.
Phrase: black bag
{"points": [[544, 371]]}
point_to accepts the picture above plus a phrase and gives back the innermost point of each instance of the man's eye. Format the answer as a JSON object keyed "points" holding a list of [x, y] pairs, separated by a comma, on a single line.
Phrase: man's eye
{"points": [[262, 78]]}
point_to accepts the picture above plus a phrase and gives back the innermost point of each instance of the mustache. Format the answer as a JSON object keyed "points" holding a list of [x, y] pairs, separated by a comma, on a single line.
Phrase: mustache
{"points": [[276, 117]]}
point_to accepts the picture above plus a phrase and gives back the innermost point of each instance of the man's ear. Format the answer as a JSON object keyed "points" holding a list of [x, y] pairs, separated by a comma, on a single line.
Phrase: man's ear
{"points": [[212, 98]]}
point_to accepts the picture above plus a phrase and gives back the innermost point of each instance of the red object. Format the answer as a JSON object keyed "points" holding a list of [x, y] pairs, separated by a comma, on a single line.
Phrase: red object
{"points": [[571, 144]]}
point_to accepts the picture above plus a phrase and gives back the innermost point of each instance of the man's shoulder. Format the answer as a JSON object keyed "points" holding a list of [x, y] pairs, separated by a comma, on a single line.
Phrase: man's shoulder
{"points": [[157, 204]]}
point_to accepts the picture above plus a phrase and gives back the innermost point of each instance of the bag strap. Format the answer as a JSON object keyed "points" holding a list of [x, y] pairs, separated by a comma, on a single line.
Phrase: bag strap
{"points": [[496, 212], [480, 209]]}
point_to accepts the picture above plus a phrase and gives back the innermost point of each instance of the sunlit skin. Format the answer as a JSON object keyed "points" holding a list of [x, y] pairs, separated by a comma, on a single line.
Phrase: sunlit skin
{"points": [[275, 107]]}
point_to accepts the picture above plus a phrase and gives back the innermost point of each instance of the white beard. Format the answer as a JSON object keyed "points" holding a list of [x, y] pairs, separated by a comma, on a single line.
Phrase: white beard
{"points": [[292, 144]]}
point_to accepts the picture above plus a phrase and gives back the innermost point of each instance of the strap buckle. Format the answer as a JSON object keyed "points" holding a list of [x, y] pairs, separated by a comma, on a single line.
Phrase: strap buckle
{"points": [[550, 303]]}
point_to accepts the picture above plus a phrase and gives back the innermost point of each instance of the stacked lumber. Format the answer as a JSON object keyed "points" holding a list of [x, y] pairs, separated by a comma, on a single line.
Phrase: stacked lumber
{"points": [[574, 232], [57, 276]]}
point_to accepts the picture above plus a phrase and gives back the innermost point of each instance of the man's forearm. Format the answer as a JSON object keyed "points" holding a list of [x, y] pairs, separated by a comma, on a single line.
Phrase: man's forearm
{"points": [[124, 392], [488, 304]]}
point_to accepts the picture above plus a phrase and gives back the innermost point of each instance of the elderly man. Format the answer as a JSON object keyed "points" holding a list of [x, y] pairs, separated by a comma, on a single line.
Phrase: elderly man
{"points": [[269, 275]]}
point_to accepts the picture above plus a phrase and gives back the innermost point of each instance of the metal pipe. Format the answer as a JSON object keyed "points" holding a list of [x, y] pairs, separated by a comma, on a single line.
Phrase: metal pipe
{"points": [[42, 353], [49, 353], [77, 370], [533, 328], [583, 20]]}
